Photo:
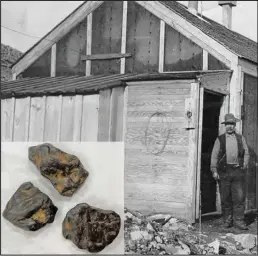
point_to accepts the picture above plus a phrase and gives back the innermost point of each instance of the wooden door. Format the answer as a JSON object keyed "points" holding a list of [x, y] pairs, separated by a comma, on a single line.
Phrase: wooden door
{"points": [[161, 147], [250, 132]]}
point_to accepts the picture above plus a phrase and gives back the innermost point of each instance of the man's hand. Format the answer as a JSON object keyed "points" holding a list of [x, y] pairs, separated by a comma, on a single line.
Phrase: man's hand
{"points": [[215, 176], [215, 173]]}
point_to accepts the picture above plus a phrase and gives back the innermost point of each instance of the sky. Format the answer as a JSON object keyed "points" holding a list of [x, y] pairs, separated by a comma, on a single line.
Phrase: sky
{"points": [[36, 18]]}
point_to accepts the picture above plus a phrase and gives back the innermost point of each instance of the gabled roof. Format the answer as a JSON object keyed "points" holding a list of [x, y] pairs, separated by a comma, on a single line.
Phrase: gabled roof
{"points": [[234, 42], [237, 43]]}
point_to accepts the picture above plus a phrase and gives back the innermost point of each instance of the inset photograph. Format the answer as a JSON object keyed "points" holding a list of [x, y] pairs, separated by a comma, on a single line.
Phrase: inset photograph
{"points": [[62, 198]]}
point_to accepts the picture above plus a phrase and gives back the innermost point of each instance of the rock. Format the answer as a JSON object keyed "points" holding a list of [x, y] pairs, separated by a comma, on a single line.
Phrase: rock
{"points": [[246, 251], [248, 241], [149, 227], [193, 249], [229, 247], [239, 247], [138, 235], [128, 215], [215, 245], [170, 249], [29, 208], [91, 228], [184, 249], [172, 220], [254, 250], [65, 171], [222, 250], [158, 239], [160, 218], [176, 226], [153, 244]]}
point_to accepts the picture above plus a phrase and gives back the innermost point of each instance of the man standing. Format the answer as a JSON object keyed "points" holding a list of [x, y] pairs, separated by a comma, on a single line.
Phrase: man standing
{"points": [[229, 162]]}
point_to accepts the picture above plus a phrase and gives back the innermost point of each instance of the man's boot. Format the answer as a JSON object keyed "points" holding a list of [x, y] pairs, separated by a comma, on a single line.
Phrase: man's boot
{"points": [[240, 224], [228, 221]]}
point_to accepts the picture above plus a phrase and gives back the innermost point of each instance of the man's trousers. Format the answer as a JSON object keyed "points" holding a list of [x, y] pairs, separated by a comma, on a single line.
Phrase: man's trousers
{"points": [[232, 190]]}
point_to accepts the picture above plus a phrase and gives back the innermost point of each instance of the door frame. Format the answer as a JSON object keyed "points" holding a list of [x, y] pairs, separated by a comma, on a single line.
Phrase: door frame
{"points": [[223, 110]]}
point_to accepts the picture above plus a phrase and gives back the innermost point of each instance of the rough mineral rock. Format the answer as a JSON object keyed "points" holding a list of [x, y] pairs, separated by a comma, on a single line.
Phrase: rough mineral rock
{"points": [[65, 171], [91, 228], [29, 208], [248, 241]]}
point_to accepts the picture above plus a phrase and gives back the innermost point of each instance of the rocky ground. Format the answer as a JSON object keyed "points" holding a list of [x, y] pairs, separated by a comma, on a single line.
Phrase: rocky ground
{"points": [[165, 235], [8, 56]]}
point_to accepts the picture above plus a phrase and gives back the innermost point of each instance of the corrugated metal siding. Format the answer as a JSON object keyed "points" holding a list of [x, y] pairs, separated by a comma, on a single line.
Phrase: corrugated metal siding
{"points": [[59, 85], [50, 118], [82, 85]]}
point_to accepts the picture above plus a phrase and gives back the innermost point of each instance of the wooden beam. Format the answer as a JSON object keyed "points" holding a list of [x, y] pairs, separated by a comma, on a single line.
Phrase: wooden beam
{"points": [[161, 46], [54, 36], [14, 76], [89, 42], [248, 67], [105, 56], [204, 60], [241, 96], [116, 115], [53, 60], [235, 93], [123, 40], [193, 152], [190, 31], [199, 150], [216, 82]]}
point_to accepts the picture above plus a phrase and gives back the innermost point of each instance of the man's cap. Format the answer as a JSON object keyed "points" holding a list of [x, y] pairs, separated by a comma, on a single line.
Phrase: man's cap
{"points": [[229, 119]]}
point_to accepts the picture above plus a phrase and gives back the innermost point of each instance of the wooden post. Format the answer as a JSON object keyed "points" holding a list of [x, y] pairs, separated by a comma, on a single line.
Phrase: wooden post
{"points": [[161, 46], [88, 46], [193, 151], [204, 60], [123, 42], [53, 60], [14, 76], [199, 158]]}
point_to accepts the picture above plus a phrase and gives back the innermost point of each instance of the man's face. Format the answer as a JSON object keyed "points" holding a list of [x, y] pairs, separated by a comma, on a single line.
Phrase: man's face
{"points": [[230, 128]]}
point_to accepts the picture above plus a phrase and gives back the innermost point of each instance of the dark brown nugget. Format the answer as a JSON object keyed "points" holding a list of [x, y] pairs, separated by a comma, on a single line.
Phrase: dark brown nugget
{"points": [[65, 171], [91, 228], [29, 208]]}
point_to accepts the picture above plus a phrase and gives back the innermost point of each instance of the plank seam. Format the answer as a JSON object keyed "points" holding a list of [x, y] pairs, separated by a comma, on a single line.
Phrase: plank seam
{"points": [[13, 118]]}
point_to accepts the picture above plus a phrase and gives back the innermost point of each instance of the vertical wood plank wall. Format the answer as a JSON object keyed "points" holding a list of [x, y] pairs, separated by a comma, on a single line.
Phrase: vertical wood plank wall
{"points": [[111, 114], [250, 132], [158, 183], [50, 118]]}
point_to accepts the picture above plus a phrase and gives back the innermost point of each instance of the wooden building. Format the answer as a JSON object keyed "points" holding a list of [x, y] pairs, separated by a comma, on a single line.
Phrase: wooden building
{"points": [[154, 74]]}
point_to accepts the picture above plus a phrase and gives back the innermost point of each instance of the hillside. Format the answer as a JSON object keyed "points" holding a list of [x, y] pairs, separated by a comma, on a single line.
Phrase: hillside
{"points": [[8, 56]]}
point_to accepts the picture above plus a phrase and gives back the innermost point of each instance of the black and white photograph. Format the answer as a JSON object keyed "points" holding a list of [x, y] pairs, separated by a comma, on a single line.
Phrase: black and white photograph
{"points": [[172, 84]]}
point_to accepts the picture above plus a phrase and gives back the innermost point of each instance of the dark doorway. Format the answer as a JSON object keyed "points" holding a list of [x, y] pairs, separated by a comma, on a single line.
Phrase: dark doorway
{"points": [[211, 113]]}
